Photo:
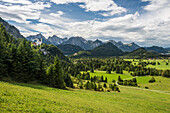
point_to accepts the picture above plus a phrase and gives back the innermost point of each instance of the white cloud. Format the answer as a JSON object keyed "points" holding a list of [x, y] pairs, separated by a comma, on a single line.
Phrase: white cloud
{"points": [[150, 28], [143, 29], [156, 4], [109, 6], [20, 13], [17, 1], [58, 14]]}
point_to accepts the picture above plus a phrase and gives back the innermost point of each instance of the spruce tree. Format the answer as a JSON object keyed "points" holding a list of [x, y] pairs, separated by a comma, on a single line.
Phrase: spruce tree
{"points": [[50, 76], [59, 81], [101, 79], [106, 79], [119, 79], [68, 80]]}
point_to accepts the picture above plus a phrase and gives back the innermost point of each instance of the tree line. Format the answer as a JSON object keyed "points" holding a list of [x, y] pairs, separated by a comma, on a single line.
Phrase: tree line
{"points": [[21, 62]]}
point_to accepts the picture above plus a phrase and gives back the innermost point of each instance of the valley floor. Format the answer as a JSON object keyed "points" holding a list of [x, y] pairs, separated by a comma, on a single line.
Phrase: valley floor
{"points": [[42, 99]]}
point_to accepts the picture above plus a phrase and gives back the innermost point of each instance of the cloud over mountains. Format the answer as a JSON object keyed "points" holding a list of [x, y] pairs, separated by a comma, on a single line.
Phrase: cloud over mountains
{"points": [[147, 24]]}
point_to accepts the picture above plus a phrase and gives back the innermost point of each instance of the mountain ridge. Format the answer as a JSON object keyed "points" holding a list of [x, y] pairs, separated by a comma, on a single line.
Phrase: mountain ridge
{"points": [[87, 44], [11, 29]]}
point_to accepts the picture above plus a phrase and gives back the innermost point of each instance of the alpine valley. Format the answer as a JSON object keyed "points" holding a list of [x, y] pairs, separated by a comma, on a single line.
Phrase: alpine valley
{"points": [[84, 56]]}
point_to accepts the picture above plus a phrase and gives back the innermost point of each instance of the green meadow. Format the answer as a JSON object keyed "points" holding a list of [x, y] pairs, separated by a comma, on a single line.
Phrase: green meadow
{"points": [[162, 83], [42, 99], [111, 76], [162, 65]]}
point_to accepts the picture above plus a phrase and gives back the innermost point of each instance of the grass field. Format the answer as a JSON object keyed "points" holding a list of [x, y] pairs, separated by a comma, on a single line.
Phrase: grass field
{"points": [[41, 99], [111, 76], [143, 79], [162, 65], [162, 83]]}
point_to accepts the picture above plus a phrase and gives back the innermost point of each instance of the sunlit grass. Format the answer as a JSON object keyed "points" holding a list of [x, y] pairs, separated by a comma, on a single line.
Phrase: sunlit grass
{"points": [[30, 98], [162, 83], [111, 76]]}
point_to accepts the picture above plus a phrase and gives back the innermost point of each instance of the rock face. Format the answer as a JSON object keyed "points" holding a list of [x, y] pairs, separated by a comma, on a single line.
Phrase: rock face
{"points": [[84, 44], [11, 29], [38, 36], [78, 41], [125, 47], [55, 40], [96, 43]]}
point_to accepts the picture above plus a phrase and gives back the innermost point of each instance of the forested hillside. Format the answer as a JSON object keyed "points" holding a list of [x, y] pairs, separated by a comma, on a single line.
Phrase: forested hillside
{"points": [[142, 53], [22, 62], [107, 49], [69, 49]]}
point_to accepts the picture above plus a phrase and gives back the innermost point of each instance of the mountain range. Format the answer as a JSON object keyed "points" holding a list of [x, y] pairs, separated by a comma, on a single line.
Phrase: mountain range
{"points": [[70, 45], [83, 43]]}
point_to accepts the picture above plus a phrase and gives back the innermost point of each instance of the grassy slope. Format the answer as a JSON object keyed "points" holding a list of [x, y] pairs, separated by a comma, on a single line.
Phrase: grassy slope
{"points": [[162, 83], [34, 98]]}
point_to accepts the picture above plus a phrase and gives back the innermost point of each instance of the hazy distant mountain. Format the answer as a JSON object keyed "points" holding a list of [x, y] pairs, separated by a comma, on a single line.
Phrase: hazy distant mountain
{"points": [[104, 50], [38, 36], [142, 52], [168, 49], [11, 29], [55, 40], [125, 47], [156, 49], [69, 49]]}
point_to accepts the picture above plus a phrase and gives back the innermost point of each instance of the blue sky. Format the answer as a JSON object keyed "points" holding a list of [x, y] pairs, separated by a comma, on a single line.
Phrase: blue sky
{"points": [[145, 22]]}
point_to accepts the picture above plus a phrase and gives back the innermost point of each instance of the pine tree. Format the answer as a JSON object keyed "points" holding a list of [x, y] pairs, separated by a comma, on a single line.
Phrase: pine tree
{"points": [[152, 80], [106, 79], [2, 55], [113, 81], [119, 79], [95, 87], [59, 81], [101, 79], [68, 80], [104, 85], [41, 70], [50, 76], [92, 70]]}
